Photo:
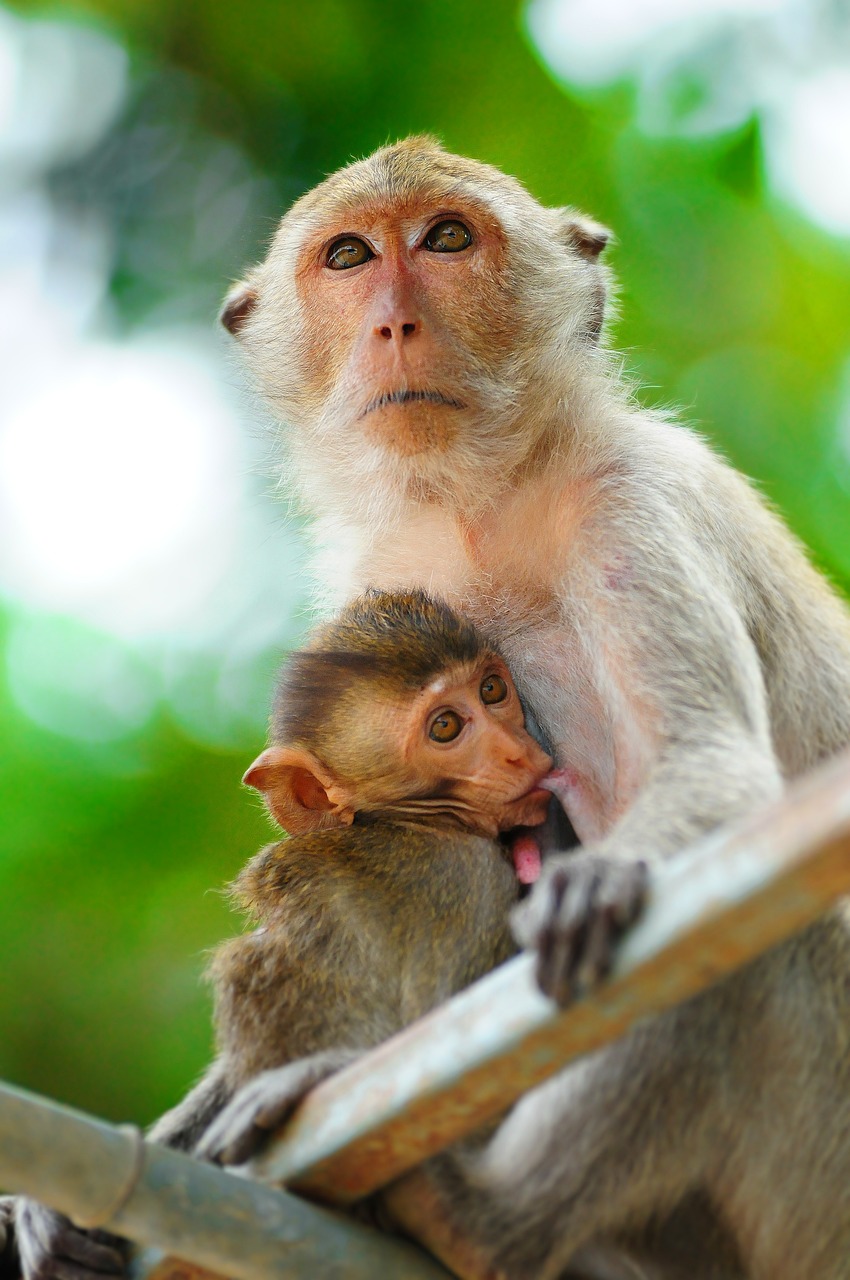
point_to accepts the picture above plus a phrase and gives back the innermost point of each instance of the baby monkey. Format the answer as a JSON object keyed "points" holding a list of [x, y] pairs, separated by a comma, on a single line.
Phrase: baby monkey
{"points": [[398, 754]]}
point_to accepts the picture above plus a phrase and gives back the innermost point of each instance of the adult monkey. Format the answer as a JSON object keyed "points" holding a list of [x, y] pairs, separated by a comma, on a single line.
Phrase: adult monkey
{"points": [[431, 334]]}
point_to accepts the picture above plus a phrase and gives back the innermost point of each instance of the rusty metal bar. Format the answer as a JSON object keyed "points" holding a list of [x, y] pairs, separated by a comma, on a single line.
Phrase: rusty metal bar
{"points": [[711, 910], [98, 1174]]}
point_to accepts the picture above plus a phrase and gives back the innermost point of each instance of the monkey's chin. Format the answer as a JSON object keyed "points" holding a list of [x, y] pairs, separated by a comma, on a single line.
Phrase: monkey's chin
{"points": [[413, 428], [530, 810]]}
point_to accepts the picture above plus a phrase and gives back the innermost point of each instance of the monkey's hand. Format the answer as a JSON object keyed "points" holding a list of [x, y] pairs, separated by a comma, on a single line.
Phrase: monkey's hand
{"points": [[265, 1103], [7, 1216], [50, 1247], [574, 917]]}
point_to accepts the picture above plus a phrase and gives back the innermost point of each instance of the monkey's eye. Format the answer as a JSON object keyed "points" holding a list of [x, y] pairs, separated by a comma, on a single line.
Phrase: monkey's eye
{"points": [[448, 237], [493, 689], [348, 251], [445, 727]]}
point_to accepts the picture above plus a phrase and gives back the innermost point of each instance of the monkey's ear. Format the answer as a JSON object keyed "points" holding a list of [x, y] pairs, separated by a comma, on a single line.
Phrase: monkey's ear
{"points": [[301, 794], [583, 234], [237, 306]]}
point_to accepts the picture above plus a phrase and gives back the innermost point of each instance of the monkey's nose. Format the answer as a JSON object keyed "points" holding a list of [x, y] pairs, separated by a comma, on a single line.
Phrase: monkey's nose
{"points": [[398, 330]]}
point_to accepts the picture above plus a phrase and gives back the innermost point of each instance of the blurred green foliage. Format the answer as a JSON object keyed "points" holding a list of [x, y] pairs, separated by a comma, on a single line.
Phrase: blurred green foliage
{"points": [[730, 304]]}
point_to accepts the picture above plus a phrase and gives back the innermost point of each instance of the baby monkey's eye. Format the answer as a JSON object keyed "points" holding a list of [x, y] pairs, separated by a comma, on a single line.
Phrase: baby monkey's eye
{"points": [[448, 237], [493, 689], [445, 727], [349, 251]]}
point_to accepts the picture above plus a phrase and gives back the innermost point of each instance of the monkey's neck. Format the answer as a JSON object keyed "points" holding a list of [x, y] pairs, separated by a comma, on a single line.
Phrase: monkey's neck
{"points": [[562, 431]]}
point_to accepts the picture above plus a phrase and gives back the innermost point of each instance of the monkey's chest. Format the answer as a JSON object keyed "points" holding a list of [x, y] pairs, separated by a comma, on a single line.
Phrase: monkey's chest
{"points": [[498, 570]]}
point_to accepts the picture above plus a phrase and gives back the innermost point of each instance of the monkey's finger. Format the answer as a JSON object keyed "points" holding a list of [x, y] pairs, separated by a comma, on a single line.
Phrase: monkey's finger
{"points": [[545, 936], [210, 1145], [243, 1146], [273, 1113], [53, 1268], [568, 928], [79, 1246], [631, 898], [595, 964], [238, 1133], [580, 913], [224, 1142], [619, 901]]}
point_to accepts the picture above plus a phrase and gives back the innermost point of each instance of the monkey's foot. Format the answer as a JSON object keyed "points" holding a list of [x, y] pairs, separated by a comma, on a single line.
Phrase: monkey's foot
{"points": [[50, 1247]]}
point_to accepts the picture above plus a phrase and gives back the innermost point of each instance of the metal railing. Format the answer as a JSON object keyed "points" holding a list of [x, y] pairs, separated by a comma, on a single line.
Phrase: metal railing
{"points": [[711, 910]]}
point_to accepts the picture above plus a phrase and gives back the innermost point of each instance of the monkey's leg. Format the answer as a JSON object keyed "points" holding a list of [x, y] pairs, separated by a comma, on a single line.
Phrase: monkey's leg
{"points": [[691, 1243]]}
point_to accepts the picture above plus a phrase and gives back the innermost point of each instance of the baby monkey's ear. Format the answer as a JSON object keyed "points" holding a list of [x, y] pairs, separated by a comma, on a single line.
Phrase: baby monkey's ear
{"points": [[301, 794]]}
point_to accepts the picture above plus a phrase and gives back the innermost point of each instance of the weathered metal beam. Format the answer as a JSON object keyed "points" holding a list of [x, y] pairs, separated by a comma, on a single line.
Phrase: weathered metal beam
{"points": [[711, 910], [98, 1174]]}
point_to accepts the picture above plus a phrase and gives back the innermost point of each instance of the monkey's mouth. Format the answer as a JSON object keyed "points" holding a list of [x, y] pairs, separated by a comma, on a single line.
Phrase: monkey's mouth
{"points": [[540, 788], [411, 397]]}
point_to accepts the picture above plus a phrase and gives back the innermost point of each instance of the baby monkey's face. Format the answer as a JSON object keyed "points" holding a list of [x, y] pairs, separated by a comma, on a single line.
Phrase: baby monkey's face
{"points": [[463, 750]]}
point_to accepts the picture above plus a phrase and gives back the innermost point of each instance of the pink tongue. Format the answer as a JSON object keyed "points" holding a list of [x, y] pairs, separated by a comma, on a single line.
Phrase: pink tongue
{"points": [[526, 855]]}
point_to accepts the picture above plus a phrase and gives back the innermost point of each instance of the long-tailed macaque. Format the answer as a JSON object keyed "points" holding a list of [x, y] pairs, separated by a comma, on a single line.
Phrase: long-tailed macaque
{"points": [[399, 753], [431, 335]]}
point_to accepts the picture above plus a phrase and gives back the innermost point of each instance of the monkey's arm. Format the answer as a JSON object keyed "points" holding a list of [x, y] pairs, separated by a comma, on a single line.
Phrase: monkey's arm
{"points": [[183, 1125], [295, 1002], [265, 1103], [673, 737]]}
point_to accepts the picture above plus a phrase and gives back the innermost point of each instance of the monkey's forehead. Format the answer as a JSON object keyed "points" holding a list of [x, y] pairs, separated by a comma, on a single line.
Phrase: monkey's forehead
{"points": [[394, 690], [406, 176], [461, 673]]}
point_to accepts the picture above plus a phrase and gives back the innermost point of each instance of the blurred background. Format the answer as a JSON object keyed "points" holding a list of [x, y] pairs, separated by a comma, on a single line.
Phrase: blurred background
{"points": [[151, 576]]}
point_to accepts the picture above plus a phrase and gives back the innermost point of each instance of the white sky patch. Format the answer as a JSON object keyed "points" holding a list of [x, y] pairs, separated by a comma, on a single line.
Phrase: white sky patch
{"points": [[785, 61], [119, 488]]}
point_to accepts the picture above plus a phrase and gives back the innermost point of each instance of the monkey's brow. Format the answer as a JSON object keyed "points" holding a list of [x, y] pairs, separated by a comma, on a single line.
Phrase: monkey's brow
{"points": [[404, 397]]}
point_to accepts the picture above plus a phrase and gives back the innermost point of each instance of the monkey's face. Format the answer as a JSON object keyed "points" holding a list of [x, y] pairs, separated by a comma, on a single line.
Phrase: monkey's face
{"points": [[461, 750], [407, 306], [403, 370]]}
